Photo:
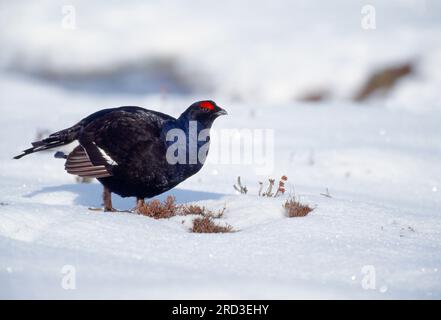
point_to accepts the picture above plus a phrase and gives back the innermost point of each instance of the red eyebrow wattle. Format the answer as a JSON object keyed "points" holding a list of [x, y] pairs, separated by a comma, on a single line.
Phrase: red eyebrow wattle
{"points": [[207, 105]]}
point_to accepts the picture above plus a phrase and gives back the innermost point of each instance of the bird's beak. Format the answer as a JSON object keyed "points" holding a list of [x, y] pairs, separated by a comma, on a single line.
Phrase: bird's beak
{"points": [[221, 112]]}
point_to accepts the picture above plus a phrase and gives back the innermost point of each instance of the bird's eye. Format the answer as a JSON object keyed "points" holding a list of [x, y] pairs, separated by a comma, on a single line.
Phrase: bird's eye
{"points": [[207, 105]]}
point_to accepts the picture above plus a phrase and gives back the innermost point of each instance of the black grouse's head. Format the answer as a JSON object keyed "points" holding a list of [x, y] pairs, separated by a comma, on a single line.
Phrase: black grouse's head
{"points": [[204, 112]]}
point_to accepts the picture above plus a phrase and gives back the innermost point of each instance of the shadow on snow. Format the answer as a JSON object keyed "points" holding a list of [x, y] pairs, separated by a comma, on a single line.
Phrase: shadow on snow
{"points": [[90, 195]]}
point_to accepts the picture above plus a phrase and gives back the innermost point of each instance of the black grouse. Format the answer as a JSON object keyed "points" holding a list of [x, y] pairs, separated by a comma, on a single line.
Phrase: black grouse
{"points": [[135, 152]]}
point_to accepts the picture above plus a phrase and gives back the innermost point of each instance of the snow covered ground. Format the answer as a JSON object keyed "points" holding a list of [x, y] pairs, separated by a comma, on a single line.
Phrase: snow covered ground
{"points": [[274, 52], [380, 166], [377, 236]]}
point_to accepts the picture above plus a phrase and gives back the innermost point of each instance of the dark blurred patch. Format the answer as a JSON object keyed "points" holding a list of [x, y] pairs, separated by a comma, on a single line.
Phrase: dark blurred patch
{"points": [[41, 134], [83, 179], [384, 80], [316, 95], [153, 75]]}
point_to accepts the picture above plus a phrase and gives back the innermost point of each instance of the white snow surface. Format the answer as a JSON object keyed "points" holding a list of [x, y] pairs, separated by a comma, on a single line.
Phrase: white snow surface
{"points": [[381, 167], [379, 160]]}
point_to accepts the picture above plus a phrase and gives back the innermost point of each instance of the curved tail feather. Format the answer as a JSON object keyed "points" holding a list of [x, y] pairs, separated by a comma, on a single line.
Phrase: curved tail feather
{"points": [[56, 139]]}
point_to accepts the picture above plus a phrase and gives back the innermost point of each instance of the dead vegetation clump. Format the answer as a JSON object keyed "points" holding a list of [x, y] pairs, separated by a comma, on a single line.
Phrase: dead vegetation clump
{"points": [[158, 210], [207, 225], [193, 209], [167, 209], [293, 208], [201, 211]]}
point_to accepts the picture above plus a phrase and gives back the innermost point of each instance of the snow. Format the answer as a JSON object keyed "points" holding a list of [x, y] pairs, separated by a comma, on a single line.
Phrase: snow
{"points": [[381, 168], [273, 53], [377, 236]]}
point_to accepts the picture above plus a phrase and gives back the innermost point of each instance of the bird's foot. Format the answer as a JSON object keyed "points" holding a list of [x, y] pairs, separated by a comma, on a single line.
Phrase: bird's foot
{"points": [[139, 204], [95, 209], [109, 210], [133, 210]]}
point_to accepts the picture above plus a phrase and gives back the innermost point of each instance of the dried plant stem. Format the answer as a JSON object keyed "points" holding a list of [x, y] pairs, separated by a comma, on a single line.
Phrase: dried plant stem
{"points": [[239, 187]]}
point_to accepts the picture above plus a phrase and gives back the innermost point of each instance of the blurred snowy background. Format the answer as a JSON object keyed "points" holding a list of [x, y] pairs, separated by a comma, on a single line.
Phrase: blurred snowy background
{"points": [[354, 110], [254, 51]]}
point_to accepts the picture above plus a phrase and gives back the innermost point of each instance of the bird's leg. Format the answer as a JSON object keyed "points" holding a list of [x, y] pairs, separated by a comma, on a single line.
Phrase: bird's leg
{"points": [[139, 203], [107, 200]]}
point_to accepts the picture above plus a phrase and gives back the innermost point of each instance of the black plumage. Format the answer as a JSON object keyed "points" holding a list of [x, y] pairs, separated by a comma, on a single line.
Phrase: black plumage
{"points": [[126, 148]]}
